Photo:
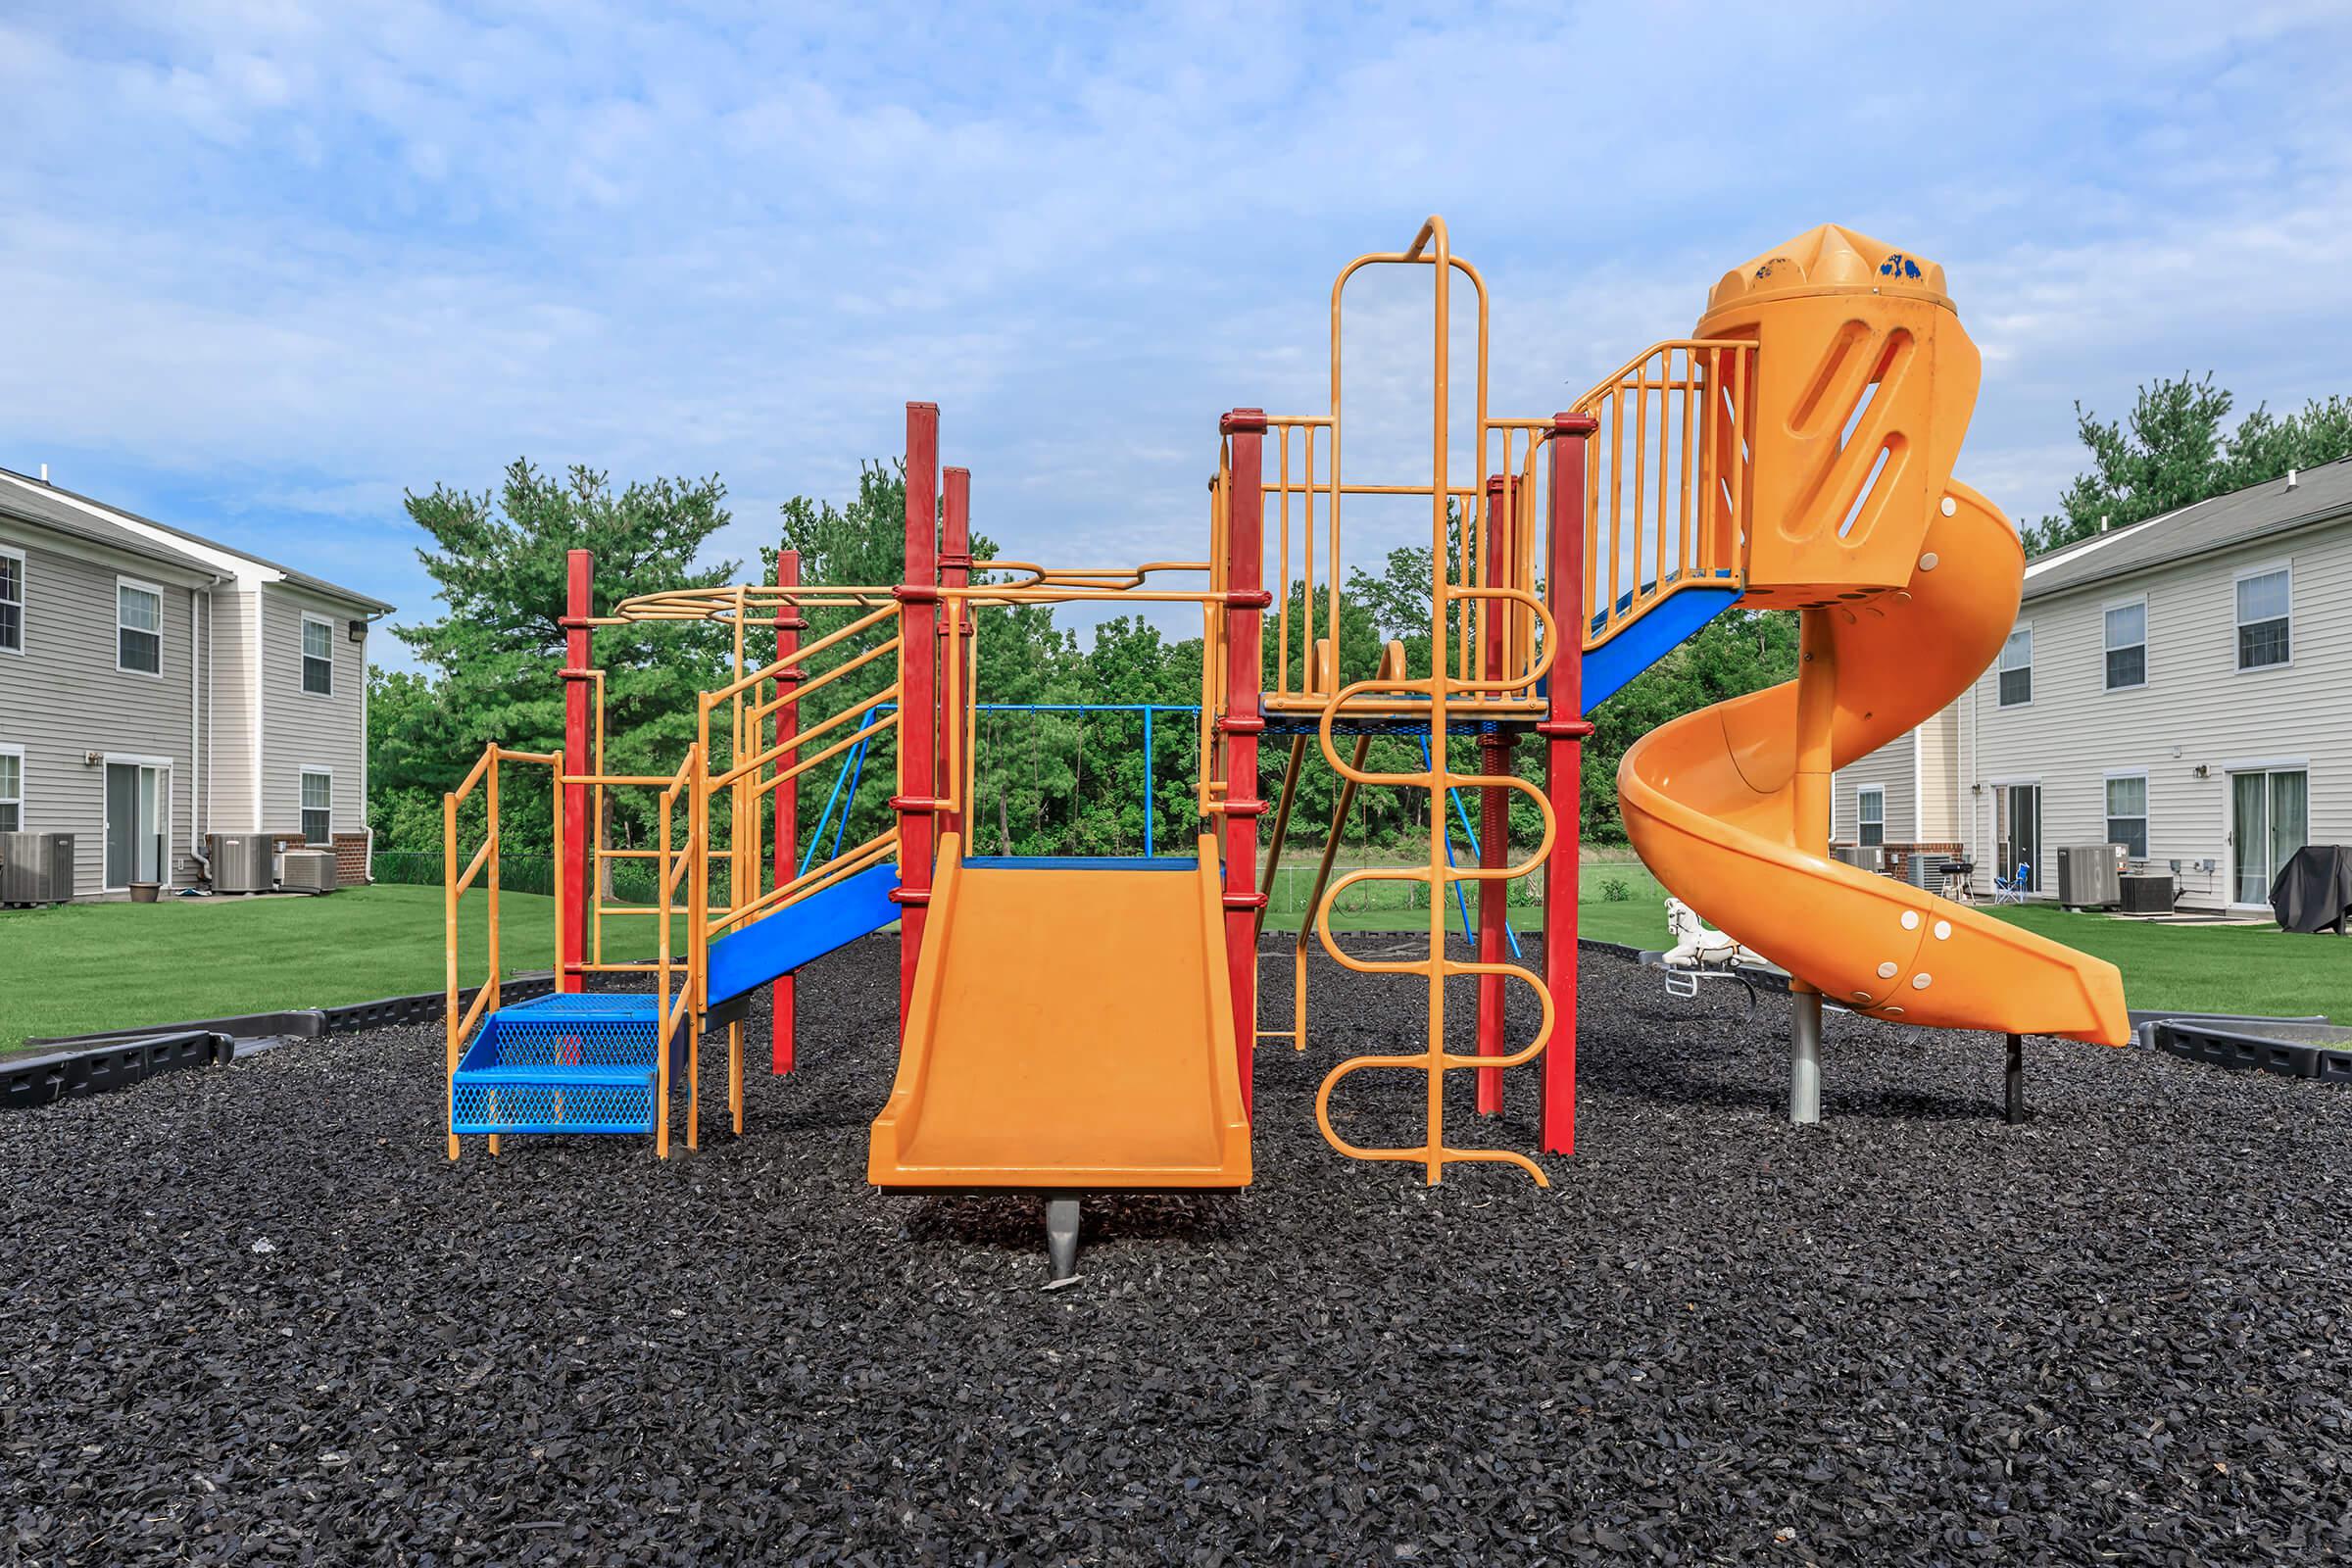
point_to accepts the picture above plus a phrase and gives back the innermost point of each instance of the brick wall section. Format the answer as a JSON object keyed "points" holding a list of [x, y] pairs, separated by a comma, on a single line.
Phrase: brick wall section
{"points": [[351, 860]]}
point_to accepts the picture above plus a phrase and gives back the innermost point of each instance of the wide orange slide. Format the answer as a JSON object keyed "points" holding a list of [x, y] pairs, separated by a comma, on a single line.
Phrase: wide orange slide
{"points": [[1069, 1028]]}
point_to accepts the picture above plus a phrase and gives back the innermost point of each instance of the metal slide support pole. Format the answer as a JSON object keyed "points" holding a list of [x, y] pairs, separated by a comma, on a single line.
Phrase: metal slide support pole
{"points": [[1809, 795], [1565, 728], [790, 624], [571, 891], [1493, 810], [1150, 801], [918, 694], [955, 628], [2013, 1107], [1061, 1238], [1246, 600]]}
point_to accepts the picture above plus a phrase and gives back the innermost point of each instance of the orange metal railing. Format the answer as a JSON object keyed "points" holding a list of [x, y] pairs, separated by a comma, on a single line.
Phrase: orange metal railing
{"points": [[484, 865], [1667, 483]]}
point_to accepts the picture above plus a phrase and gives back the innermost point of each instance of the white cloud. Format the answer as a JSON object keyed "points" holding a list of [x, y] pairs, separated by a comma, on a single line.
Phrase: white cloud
{"points": [[309, 261]]}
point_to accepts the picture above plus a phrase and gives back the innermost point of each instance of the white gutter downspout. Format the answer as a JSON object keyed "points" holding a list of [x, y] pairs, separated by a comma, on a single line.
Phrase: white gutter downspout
{"points": [[367, 817], [260, 613], [200, 742]]}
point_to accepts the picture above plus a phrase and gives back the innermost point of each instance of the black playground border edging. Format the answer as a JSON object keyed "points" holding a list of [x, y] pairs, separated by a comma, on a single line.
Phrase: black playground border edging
{"points": [[108, 1059]]}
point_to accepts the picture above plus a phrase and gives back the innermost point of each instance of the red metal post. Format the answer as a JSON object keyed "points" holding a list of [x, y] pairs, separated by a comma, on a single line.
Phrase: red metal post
{"points": [[790, 624], [1494, 804], [955, 628], [1565, 728], [572, 879], [918, 692], [1243, 721]]}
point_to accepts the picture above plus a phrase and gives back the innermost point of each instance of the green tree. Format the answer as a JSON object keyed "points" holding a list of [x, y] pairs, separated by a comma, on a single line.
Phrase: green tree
{"points": [[2175, 449], [493, 657]]}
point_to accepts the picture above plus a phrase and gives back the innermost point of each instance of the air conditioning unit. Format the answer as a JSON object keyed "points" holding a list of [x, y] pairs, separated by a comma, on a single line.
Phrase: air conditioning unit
{"points": [[242, 862], [1865, 856], [36, 867], [2091, 876], [309, 871], [2148, 893]]}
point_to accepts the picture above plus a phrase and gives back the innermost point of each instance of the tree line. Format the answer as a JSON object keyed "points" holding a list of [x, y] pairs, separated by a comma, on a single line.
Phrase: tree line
{"points": [[1056, 783]]}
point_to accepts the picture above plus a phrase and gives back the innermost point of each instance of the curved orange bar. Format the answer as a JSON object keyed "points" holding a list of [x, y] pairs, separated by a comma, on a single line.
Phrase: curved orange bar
{"points": [[1708, 801]]}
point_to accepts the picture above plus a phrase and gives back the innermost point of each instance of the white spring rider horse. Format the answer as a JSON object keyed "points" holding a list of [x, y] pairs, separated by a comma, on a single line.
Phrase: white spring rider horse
{"points": [[1698, 946]]}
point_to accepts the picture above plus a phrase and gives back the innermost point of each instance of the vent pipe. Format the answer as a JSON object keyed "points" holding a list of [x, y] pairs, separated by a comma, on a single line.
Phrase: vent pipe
{"points": [[2102, 522], [44, 474], [2291, 479]]}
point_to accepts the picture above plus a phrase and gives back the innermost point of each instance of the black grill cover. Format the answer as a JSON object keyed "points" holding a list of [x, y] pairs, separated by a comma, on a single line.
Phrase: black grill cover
{"points": [[2313, 891]]}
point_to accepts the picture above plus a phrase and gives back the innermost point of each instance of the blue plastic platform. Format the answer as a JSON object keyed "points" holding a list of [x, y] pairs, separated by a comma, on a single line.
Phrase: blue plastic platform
{"points": [[564, 1064], [778, 944]]}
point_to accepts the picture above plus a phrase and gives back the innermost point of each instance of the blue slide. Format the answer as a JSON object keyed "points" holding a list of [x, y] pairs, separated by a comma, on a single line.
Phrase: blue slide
{"points": [[781, 943]]}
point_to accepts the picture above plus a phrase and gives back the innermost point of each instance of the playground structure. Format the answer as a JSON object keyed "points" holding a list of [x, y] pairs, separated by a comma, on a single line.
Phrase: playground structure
{"points": [[1073, 1025]]}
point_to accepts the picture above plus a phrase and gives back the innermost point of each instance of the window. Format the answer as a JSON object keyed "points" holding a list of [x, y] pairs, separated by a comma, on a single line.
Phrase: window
{"points": [[12, 791], [2127, 815], [138, 627], [317, 656], [317, 806], [2265, 621], [2017, 669], [12, 602], [1870, 814], [2127, 637]]}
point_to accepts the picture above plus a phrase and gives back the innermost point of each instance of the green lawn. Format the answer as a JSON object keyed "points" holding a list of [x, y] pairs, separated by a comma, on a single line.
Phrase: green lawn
{"points": [[2211, 968], [82, 967], [79, 968]]}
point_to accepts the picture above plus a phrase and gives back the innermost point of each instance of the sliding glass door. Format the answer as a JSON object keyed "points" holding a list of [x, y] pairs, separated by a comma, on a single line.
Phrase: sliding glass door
{"points": [[2269, 816], [138, 798]]}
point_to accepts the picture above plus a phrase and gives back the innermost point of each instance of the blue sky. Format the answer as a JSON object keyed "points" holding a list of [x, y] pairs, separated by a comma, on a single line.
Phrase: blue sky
{"points": [[266, 264]]}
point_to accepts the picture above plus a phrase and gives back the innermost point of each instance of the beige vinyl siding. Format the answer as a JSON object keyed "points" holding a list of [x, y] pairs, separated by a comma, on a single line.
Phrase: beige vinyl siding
{"points": [[301, 729], [64, 699], [229, 785], [1890, 767], [1938, 757], [2197, 710]]}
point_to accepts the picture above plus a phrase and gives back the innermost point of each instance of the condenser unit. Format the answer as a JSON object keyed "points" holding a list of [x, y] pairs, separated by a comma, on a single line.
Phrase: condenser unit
{"points": [[242, 862], [1862, 857], [36, 867], [2091, 876], [309, 871]]}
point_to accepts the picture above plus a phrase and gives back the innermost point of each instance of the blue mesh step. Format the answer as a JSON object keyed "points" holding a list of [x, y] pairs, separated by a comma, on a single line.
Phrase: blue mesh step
{"points": [[564, 1064]]}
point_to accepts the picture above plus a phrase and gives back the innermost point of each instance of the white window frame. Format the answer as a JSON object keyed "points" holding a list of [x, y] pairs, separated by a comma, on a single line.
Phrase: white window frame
{"points": [[169, 769], [300, 811], [1861, 819], [302, 676], [2266, 569], [23, 612], [121, 583], [23, 820], [2001, 704], [2147, 810], [2105, 683]]}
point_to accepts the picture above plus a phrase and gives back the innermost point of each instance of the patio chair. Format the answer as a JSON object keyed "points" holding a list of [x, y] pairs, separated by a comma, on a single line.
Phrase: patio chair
{"points": [[2013, 887]]}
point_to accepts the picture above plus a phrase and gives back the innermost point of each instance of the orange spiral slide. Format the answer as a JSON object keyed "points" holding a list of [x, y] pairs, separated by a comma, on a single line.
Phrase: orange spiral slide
{"points": [[1908, 584], [1709, 800]]}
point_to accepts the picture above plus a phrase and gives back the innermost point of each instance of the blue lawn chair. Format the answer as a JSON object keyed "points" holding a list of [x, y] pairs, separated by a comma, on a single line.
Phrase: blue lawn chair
{"points": [[2013, 889]]}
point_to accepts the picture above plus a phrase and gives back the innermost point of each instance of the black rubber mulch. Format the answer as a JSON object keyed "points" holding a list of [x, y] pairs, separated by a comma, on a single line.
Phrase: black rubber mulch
{"points": [[251, 1315]]}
